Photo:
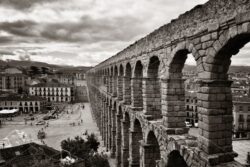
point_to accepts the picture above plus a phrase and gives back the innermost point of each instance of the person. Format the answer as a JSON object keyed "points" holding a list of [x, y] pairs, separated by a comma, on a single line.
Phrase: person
{"points": [[3, 145]]}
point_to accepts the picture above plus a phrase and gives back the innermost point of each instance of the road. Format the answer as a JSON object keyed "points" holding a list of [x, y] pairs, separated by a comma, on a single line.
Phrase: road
{"points": [[58, 129]]}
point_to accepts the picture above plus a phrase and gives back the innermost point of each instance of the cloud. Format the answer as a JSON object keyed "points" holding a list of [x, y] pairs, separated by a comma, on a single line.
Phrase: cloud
{"points": [[83, 32], [6, 52], [89, 30], [21, 27], [22, 4]]}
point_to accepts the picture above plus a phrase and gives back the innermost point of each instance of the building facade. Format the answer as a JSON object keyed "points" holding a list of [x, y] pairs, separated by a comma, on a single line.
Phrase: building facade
{"points": [[191, 108], [25, 104], [53, 92], [241, 113], [12, 82]]}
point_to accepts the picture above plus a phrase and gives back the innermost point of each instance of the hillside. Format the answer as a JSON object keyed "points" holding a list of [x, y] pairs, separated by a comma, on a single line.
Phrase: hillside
{"points": [[232, 69], [28, 64]]}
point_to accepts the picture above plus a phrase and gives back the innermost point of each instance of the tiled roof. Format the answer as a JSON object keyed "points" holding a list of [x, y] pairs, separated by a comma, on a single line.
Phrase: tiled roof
{"points": [[50, 84], [21, 98]]}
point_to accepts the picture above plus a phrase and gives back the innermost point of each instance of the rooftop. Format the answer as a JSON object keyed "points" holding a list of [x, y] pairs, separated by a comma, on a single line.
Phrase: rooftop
{"points": [[50, 84], [15, 97], [243, 99]]}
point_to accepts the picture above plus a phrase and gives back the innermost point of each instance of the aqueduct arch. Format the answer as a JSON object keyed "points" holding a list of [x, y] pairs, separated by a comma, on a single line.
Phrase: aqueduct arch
{"points": [[135, 137], [125, 140], [212, 32], [127, 84], [152, 90], [137, 100]]}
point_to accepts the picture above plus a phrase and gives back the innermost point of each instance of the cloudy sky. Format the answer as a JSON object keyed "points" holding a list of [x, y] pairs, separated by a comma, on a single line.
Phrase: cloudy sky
{"points": [[81, 32]]}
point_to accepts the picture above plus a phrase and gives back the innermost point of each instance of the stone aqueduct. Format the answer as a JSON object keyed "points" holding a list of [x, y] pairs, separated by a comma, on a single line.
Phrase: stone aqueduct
{"points": [[137, 96]]}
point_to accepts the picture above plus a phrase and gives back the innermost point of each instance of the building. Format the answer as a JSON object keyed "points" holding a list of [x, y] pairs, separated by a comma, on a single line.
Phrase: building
{"points": [[53, 92], [12, 70], [12, 82], [241, 114], [25, 104], [32, 154], [71, 77], [191, 108]]}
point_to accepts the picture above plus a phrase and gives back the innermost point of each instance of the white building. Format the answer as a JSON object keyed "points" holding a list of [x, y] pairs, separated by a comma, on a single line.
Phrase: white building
{"points": [[53, 92], [241, 114], [24, 104]]}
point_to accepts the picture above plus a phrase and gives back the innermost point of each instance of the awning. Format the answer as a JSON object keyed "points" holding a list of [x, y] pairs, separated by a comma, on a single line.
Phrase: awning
{"points": [[8, 111]]}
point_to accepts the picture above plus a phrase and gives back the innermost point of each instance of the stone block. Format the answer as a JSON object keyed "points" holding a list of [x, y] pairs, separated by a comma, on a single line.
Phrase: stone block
{"points": [[205, 38]]}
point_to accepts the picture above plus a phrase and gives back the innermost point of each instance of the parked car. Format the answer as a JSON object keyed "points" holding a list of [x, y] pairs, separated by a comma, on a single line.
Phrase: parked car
{"points": [[29, 118], [40, 122], [188, 124], [46, 117]]}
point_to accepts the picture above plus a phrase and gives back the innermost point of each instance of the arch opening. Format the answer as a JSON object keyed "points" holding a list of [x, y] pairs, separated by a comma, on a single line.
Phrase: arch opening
{"points": [[135, 137], [119, 136], [125, 140], [115, 81], [137, 98], [127, 84], [152, 150], [120, 83], [224, 80], [180, 74], [152, 89], [175, 159]]}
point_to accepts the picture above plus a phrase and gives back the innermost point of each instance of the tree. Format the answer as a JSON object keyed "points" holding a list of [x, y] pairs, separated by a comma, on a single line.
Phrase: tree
{"points": [[43, 163], [34, 70], [77, 147], [92, 142], [45, 70], [20, 90], [86, 150]]}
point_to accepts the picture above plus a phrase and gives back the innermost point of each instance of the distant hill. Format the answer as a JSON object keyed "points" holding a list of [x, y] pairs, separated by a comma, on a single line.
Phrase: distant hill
{"points": [[28, 64], [232, 69]]}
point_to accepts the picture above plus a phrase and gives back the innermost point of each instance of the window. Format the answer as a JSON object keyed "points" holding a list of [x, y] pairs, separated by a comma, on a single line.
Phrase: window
{"points": [[187, 100], [241, 118], [240, 108], [248, 108], [241, 126], [248, 118]]}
